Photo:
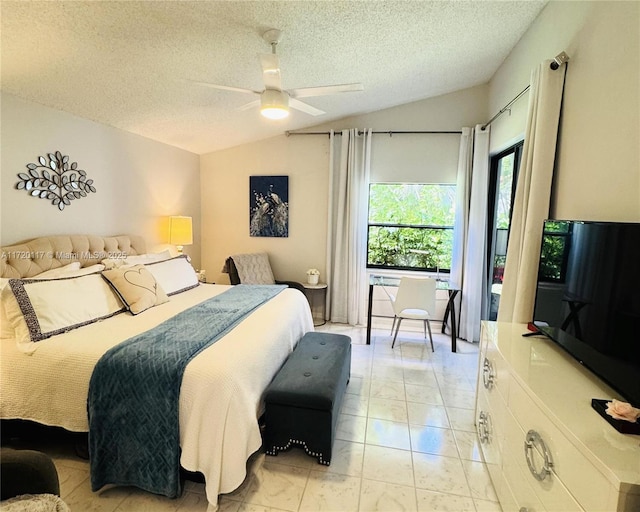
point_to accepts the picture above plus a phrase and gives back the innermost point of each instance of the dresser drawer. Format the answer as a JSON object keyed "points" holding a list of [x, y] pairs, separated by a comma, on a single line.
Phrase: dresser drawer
{"points": [[548, 494], [494, 372], [585, 482], [516, 483], [489, 428]]}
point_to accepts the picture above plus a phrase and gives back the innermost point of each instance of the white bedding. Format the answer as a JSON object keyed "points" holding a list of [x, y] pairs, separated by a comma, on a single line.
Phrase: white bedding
{"points": [[222, 387]]}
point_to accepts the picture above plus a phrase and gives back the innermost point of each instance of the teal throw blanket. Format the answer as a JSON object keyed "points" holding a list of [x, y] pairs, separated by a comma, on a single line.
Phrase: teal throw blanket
{"points": [[134, 436]]}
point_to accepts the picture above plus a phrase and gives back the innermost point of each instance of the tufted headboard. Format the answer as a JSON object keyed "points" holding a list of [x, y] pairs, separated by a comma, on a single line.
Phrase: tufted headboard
{"points": [[29, 258]]}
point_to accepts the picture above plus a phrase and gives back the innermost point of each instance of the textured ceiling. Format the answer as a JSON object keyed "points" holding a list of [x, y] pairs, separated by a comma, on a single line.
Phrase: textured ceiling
{"points": [[122, 63]]}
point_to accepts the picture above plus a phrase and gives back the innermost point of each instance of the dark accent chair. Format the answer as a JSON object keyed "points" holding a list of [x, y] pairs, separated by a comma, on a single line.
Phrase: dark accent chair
{"points": [[234, 278], [27, 472]]}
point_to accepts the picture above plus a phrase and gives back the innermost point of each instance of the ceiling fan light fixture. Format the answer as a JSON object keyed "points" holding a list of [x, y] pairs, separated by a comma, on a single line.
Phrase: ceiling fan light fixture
{"points": [[274, 104]]}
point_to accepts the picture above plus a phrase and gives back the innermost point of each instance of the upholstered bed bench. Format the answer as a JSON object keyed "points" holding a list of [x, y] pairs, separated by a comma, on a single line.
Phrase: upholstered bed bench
{"points": [[303, 400]]}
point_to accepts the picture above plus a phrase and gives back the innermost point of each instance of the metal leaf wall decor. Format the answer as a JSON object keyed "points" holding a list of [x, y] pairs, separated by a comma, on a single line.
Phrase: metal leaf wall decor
{"points": [[55, 179]]}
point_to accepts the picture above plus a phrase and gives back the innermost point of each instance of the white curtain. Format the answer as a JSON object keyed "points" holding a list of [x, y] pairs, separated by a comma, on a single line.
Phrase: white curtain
{"points": [[474, 281], [349, 160], [533, 193], [463, 193]]}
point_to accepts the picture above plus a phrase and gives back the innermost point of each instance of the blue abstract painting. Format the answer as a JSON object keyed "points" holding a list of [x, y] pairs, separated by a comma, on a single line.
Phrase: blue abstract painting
{"points": [[269, 206]]}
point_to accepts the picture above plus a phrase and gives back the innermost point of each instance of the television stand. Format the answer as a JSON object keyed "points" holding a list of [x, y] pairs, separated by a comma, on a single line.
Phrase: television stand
{"points": [[544, 446]]}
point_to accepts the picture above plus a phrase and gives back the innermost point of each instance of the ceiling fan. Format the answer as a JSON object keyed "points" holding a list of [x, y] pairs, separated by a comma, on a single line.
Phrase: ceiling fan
{"points": [[274, 102]]}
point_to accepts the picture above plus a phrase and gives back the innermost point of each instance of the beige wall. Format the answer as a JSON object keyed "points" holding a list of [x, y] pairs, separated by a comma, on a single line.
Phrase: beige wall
{"points": [[598, 168], [139, 182], [225, 204], [305, 159]]}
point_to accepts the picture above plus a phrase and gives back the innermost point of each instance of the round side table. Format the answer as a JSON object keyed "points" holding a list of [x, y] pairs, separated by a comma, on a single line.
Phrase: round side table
{"points": [[317, 295]]}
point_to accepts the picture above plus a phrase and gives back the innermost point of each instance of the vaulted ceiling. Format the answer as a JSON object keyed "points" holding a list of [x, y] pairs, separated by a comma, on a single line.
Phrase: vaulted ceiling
{"points": [[130, 64]]}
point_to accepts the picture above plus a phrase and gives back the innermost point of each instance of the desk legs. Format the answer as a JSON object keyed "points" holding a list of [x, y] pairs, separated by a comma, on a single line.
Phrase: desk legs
{"points": [[451, 307], [369, 307]]}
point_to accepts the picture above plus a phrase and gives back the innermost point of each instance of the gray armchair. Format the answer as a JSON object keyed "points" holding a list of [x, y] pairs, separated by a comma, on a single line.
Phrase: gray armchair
{"points": [[252, 265]]}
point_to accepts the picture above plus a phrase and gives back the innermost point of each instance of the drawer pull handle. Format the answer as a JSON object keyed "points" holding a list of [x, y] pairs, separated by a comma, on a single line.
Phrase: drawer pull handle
{"points": [[484, 427], [488, 377], [532, 442]]}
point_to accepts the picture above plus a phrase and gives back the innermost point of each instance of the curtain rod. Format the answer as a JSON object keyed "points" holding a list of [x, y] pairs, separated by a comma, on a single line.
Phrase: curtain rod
{"points": [[389, 132], [505, 108], [558, 60]]}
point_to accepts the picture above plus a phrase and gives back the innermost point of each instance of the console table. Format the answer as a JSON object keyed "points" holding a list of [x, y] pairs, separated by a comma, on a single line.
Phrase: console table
{"points": [[545, 447], [378, 280]]}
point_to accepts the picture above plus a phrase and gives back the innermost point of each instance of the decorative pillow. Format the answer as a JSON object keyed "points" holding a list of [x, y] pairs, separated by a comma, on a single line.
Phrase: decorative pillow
{"points": [[43, 308], [253, 268], [175, 275], [137, 287], [137, 259]]}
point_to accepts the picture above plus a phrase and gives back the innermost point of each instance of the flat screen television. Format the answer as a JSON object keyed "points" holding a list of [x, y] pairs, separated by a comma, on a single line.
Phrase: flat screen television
{"points": [[588, 298]]}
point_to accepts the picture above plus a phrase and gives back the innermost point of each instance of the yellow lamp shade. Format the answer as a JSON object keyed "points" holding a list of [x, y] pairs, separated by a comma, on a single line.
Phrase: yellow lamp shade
{"points": [[180, 231]]}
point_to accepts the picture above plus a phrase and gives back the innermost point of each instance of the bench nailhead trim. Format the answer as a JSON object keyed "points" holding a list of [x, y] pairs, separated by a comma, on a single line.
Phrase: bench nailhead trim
{"points": [[274, 450]]}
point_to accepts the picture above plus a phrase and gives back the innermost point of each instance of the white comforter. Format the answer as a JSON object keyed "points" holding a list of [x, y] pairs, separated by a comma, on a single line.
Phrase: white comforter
{"points": [[222, 387]]}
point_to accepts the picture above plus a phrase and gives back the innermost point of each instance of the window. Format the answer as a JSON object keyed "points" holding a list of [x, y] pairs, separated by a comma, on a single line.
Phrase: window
{"points": [[410, 226], [502, 188]]}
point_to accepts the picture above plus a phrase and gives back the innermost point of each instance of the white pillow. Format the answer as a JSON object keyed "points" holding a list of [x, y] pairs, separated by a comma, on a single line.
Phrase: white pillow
{"points": [[175, 275], [42, 309], [84, 271], [137, 259], [72, 272], [59, 272], [6, 329]]}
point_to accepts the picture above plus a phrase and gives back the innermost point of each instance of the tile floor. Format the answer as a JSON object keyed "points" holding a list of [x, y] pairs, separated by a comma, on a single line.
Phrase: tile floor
{"points": [[405, 442]]}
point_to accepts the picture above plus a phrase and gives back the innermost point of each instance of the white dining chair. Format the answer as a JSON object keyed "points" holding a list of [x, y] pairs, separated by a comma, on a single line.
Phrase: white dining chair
{"points": [[415, 300]]}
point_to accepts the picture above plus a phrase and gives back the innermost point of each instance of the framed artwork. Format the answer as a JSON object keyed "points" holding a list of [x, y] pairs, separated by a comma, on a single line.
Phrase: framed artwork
{"points": [[269, 206]]}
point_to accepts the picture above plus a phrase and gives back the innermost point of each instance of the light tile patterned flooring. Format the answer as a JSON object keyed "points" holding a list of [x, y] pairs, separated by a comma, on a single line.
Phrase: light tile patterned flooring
{"points": [[405, 442]]}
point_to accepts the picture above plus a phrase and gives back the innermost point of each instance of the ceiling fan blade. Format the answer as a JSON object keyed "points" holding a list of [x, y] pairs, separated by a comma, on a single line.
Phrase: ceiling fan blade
{"points": [[271, 71], [223, 87], [305, 107], [324, 90], [249, 105]]}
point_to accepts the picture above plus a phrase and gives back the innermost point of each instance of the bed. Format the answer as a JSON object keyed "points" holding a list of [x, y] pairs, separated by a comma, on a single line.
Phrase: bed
{"points": [[220, 397]]}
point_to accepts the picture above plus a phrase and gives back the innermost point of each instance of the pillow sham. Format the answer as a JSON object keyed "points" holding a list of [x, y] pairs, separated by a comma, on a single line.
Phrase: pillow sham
{"points": [[175, 275], [137, 287], [6, 326], [43, 308], [137, 259]]}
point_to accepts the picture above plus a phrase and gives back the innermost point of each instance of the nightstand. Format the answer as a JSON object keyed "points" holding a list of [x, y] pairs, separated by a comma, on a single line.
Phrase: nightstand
{"points": [[317, 296]]}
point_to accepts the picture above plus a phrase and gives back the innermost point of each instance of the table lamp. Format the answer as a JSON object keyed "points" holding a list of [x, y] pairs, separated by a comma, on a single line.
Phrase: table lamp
{"points": [[180, 232]]}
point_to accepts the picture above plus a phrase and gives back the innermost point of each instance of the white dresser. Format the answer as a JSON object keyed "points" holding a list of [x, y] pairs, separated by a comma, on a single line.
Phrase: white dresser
{"points": [[534, 415]]}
